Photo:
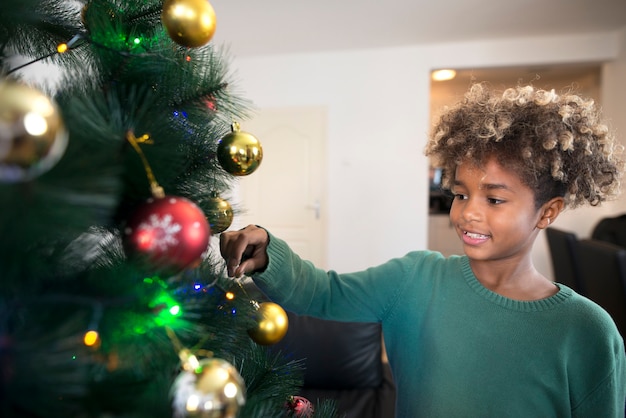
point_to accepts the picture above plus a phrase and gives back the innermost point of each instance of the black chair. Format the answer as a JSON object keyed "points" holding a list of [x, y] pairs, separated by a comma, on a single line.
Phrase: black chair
{"points": [[603, 271], [344, 363], [562, 245], [611, 230]]}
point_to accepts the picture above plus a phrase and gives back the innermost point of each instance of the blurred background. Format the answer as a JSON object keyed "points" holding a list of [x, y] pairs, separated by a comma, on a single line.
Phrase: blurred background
{"points": [[350, 84], [344, 101]]}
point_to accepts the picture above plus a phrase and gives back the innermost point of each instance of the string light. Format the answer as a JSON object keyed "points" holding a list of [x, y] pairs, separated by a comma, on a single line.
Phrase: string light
{"points": [[64, 47], [91, 338], [165, 308]]}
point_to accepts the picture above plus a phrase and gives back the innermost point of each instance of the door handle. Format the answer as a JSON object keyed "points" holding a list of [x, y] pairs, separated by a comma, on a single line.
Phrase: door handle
{"points": [[316, 206]]}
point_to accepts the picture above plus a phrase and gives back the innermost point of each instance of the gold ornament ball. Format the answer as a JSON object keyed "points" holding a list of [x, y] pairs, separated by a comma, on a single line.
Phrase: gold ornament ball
{"points": [[271, 324], [190, 23], [220, 216], [239, 153], [32, 134], [215, 389]]}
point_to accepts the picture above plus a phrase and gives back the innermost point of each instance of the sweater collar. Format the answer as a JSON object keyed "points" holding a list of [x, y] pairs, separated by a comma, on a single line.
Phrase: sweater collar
{"points": [[551, 302]]}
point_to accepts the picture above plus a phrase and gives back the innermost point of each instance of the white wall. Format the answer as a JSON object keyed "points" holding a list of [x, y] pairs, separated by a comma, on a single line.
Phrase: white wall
{"points": [[378, 111], [378, 103]]}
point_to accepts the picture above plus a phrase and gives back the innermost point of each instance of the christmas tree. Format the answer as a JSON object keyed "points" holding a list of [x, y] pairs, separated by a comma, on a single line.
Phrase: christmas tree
{"points": [[114, 182]]}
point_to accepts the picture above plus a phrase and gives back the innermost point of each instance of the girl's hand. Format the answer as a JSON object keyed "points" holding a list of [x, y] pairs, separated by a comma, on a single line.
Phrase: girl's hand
{"points": [[244, 250]]}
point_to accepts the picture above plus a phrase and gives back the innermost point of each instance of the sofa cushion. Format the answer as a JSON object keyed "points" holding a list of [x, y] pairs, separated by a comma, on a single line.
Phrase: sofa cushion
{"points": [[337, 355]]}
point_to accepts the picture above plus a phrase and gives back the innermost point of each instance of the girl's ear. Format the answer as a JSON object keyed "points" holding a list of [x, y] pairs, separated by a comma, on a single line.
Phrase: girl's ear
{"points": [[550, 211]]}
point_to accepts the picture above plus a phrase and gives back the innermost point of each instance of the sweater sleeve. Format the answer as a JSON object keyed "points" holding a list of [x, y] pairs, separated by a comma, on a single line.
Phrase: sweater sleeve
{"points": [[608, 399], [300, 287]]}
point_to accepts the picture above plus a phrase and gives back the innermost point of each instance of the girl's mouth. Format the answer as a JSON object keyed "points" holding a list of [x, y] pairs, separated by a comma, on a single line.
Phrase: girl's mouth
{"points": [[474, 238]]}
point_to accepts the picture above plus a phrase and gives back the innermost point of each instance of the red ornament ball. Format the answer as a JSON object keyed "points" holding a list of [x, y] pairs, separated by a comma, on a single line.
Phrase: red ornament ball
{"points": [[300, 407], [169, 233]]}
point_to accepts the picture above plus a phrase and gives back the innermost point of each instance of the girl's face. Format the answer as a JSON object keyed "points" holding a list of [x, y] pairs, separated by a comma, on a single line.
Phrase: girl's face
{"points": [[493, 212]]}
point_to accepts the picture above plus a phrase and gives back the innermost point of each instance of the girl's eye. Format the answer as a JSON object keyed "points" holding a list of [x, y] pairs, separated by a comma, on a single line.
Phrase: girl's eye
{"points": [[494, 201], [459, 196]]}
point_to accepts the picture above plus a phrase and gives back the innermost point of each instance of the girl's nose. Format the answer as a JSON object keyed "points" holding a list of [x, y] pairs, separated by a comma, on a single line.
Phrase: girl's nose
{"points": [[470, 211]]}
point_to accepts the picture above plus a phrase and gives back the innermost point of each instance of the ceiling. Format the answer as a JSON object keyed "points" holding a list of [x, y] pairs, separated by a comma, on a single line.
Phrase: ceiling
{"points": [[253, 27]]}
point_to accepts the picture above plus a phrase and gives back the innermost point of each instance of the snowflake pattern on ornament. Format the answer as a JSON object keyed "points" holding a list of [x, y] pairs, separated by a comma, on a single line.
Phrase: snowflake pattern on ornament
{"points": [[164, 231]]}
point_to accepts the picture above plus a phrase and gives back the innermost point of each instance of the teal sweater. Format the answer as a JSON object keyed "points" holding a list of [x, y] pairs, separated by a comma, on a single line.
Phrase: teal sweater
{"points": [[458, 349]]}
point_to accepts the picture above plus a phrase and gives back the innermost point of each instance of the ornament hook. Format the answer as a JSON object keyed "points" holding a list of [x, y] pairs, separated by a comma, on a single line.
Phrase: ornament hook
{"points": [[157, 190]]}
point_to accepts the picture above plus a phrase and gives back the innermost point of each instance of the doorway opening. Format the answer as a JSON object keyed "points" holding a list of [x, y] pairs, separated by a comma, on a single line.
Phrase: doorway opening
{"points": [[583, 78]]}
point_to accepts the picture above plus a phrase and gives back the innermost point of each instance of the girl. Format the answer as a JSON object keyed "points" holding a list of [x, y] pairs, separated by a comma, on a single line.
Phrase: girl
{"points": [[483, 334]]}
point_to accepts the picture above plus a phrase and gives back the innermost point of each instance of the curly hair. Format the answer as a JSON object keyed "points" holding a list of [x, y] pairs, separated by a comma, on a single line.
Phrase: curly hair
{"points": [[557, 144]]}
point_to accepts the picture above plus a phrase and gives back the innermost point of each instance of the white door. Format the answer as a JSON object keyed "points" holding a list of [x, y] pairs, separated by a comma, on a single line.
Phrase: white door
{"points": [[286, 194]]}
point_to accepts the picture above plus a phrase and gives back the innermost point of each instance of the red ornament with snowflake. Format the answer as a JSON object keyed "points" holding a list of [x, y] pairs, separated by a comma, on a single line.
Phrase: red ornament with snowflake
{"points": [[169, 233], [300, 407]]}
